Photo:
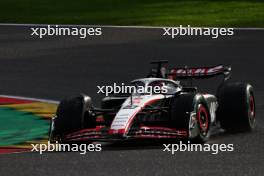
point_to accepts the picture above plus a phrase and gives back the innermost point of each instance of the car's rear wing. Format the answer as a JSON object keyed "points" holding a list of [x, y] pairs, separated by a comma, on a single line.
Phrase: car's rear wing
{"points": [[200, 72]]}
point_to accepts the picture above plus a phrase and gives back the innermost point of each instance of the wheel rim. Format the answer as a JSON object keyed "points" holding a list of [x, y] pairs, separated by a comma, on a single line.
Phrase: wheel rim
{"points": [[203, 120], [252, 111], [252, 106]]}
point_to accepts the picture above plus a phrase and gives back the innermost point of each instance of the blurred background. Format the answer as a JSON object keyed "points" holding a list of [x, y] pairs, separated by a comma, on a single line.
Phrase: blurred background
{"points": [[235, 13]]}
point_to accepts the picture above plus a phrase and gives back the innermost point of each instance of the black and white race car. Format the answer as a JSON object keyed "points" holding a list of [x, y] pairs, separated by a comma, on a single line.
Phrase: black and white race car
{"points": [[182, 112]]}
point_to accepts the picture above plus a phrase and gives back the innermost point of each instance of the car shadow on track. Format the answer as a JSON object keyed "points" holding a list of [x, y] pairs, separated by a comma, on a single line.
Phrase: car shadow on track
{"points": [[140, 145], [219, 137]]}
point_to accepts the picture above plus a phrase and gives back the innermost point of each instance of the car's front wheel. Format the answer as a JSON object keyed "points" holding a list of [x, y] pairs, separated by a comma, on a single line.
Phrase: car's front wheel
{"points": [[189, 112], [71, 116]]}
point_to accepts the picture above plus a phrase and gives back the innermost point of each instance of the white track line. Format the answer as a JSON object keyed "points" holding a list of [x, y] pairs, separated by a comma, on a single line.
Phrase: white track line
{"points": [[30, 99], [131, 27]]}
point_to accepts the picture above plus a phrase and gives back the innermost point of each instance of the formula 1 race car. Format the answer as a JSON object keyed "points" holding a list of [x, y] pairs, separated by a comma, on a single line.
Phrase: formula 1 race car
{"points": [[182, 112]]}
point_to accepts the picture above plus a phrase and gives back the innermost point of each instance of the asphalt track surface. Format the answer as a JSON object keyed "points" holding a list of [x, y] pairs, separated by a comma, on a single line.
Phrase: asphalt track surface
{"points": [[57, 67]]}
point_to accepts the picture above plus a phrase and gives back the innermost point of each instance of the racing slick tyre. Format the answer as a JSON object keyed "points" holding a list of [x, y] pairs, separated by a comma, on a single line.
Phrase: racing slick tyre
{"points": [[236, 111], [71, 116], [189, 111]]}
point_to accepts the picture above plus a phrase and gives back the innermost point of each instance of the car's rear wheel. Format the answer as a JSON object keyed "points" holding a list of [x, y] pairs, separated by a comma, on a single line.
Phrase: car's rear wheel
{"points": [[237, 108]]}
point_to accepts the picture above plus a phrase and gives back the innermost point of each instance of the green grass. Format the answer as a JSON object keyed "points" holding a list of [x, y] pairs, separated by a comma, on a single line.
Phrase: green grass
{"points": [[234, 13], [18, 127]]}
